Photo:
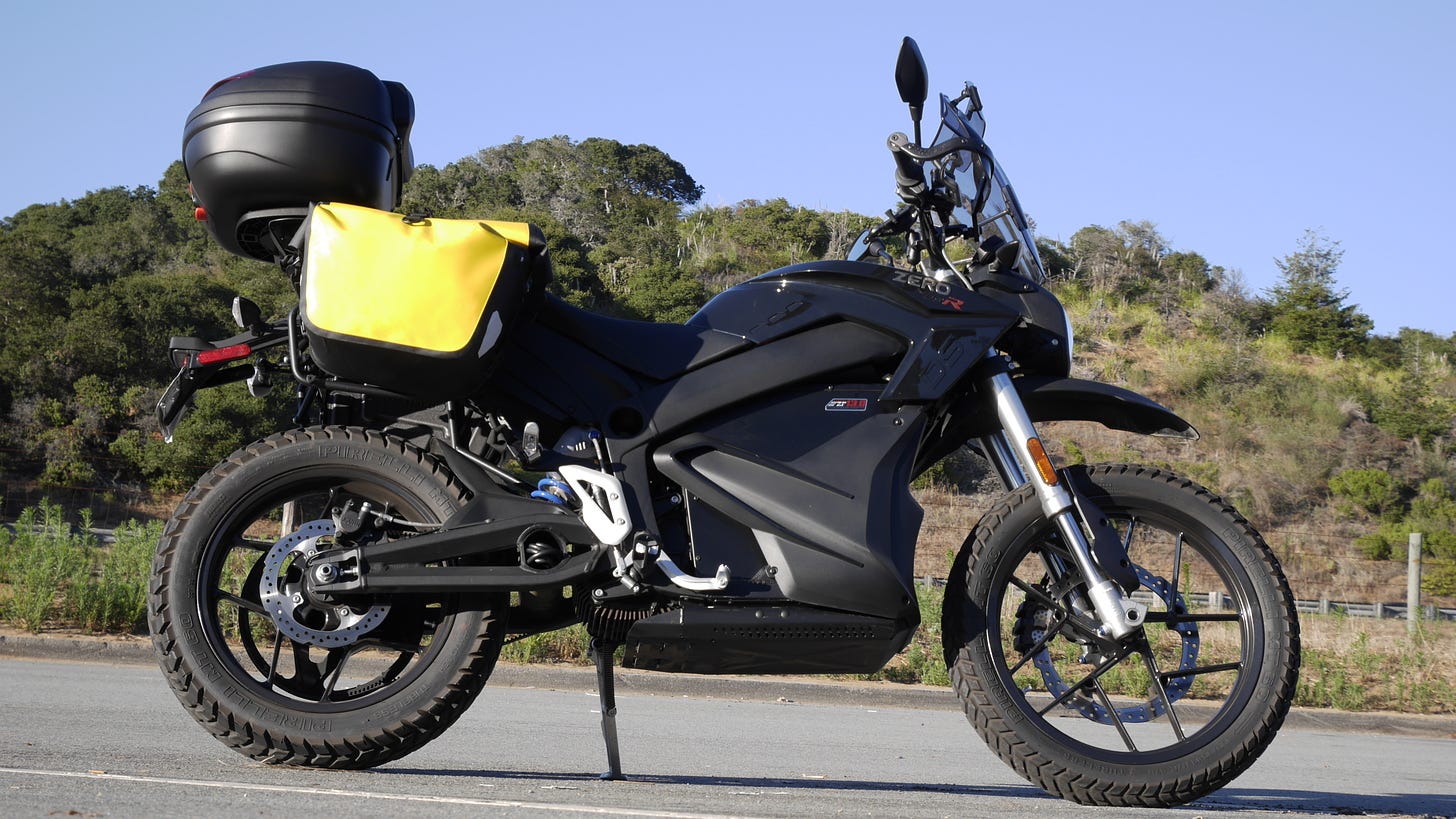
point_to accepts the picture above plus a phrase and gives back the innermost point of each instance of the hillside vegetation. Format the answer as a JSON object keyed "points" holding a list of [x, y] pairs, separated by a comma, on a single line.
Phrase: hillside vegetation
{"points": [[1335, 442]]}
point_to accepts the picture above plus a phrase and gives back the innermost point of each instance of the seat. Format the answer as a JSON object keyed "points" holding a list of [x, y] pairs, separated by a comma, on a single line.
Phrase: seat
{"points": [[658, 351]]}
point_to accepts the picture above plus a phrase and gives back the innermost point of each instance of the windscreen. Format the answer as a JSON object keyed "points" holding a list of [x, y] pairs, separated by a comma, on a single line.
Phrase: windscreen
{"points": [[988, 195]]}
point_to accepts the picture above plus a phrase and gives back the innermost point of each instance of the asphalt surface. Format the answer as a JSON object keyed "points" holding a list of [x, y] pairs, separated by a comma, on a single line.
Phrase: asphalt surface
{"points": [[810, 690], [89, 728]]}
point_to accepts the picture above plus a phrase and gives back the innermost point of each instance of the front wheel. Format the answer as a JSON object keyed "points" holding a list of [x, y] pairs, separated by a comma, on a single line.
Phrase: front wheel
{"points": [[1170, 713], [279, 674]]}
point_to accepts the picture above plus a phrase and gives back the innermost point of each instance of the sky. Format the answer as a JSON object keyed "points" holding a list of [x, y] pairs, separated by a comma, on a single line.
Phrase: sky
{"points": [[1235, 126]]}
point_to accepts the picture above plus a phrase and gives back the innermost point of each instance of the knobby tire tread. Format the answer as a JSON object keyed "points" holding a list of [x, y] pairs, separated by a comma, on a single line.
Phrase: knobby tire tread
{"points": [[1063, 781], [236, 731]]}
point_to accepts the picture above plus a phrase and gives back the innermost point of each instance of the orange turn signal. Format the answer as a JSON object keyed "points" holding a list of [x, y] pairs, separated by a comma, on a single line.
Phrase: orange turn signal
{"points": [[1043, 463]]}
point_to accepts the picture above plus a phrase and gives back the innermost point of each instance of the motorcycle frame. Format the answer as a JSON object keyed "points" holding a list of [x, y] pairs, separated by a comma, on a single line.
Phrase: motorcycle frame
{"points": [[980, 397]]}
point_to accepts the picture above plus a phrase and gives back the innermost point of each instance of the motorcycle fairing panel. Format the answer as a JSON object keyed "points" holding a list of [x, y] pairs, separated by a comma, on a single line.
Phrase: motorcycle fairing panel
{"points": [[785, 418]]}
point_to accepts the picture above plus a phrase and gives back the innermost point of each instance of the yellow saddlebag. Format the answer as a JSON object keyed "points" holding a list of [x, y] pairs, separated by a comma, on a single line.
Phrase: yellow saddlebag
{"points": [[414, 305]]}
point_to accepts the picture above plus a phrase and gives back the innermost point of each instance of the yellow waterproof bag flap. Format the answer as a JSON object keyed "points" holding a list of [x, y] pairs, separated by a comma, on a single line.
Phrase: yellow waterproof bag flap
{"points": [[414, 305]]}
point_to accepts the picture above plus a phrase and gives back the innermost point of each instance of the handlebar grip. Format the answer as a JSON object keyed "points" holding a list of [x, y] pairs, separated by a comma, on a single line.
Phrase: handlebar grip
{"points": [[909, 172]]}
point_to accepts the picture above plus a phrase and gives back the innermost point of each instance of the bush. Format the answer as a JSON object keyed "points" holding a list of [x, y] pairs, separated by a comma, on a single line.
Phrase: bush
{"points": [[59, 575], [115, 598], [1372, 491], [42, 561]]}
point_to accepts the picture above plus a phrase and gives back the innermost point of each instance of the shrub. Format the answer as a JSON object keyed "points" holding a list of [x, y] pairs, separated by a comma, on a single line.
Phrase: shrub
{"points": [[59, 575], [1370, 490]]}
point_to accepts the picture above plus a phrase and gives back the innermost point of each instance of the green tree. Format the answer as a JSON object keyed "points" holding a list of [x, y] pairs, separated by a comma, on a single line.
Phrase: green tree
{"points": [[609, 212], [1433, 513], [1308, 308], [1413, 412]]}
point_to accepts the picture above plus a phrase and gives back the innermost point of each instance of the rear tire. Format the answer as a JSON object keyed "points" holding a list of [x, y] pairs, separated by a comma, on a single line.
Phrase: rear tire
{"points": [[402, 677], [1015, 644]]}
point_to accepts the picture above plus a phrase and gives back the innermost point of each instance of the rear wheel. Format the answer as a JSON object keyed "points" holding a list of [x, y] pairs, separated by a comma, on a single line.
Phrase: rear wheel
{"points": [[1170, 713], [282, 676]]}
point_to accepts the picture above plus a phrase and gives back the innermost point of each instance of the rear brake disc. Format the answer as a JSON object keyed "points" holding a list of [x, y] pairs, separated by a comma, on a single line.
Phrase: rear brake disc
{"points": [[298, 618]]}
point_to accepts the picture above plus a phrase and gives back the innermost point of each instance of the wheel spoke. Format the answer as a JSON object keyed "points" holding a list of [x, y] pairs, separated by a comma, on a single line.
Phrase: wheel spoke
{"points": [[277, 651], [1095, 674], [1036, 593], [251, 544], [334, 669], [1116, 717], [1151, 663], [1040, 645], [1057, 550], [307, 681], [1177, 563], [389, 645], [1203, 669], [1174, 619], [254, 606]]}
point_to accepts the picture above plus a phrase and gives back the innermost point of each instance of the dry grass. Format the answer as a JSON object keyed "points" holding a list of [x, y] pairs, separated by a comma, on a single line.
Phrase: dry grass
{"points": [[1360, 664], [1320, 559], [1349, 663]]}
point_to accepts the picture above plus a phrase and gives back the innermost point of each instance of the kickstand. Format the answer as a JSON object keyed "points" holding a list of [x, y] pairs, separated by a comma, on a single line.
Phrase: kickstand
{"points": [[607, 692]]}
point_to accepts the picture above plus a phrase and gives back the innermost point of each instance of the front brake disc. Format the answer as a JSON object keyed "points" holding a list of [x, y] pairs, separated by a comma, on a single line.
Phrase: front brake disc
{"points": [[1032, 622]]}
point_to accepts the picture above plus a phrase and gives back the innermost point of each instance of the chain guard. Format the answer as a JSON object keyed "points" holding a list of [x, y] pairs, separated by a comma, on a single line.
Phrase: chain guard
{"points": [[1032, 622]]}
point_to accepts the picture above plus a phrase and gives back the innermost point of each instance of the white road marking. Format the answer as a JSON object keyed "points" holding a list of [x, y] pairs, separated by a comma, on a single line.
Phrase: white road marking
{"points": [[396, 797]]}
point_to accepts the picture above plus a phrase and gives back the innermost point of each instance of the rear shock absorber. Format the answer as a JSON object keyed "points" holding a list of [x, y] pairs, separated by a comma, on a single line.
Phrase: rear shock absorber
{"points": [[541, 548], [553, 490]]}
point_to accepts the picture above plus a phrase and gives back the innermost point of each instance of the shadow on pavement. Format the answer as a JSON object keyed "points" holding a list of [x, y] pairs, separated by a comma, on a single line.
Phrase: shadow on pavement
{"points": [[1321, 803], [1228, 800], [764, 783]]}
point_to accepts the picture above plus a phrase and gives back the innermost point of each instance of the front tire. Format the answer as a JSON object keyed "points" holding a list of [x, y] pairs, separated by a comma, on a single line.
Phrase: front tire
{"points": [[1171, 713], [367, 683]]}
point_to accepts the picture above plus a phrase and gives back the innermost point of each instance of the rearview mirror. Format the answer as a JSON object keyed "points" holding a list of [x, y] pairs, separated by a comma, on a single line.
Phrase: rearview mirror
{"points": [[866, 249], [913, 81]]}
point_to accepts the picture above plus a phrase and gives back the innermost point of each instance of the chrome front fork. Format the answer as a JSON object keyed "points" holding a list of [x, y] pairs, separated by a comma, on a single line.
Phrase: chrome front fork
{"points": [[1018, 456]]}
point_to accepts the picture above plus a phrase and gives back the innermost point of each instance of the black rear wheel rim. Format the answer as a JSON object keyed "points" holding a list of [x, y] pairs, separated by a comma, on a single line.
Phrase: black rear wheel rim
{"points": [[287, 674]]}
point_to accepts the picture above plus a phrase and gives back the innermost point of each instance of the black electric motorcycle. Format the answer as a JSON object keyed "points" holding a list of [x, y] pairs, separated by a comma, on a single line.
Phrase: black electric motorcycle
{"points": [[729, 495]]}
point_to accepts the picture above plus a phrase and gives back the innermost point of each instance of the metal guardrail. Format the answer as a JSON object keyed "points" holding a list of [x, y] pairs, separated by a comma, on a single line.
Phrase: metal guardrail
{"points": [[1222, 602], [1214, 600]]}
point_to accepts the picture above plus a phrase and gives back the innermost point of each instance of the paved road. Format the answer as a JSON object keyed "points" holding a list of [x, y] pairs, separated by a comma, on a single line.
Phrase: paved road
{"points": [[85, 739]]}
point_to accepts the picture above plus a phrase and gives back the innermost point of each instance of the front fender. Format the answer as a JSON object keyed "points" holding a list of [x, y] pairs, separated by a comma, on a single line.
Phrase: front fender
{"points": [[1050, 398]]}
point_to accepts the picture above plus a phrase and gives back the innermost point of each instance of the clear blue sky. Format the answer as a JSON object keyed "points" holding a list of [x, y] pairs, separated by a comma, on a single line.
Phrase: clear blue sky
{"points": [[1233, 126]]}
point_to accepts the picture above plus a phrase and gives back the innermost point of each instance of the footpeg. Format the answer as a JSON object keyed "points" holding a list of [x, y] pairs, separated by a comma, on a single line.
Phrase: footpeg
{"points": [[530, 443]]}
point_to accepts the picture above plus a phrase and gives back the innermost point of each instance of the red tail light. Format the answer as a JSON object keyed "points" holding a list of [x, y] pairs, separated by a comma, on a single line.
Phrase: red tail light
{"points": [[223, 82], [223, 355]]}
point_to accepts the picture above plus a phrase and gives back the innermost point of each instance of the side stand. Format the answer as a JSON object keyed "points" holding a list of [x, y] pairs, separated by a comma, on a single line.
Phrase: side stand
{"points": [[607, 692]]}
